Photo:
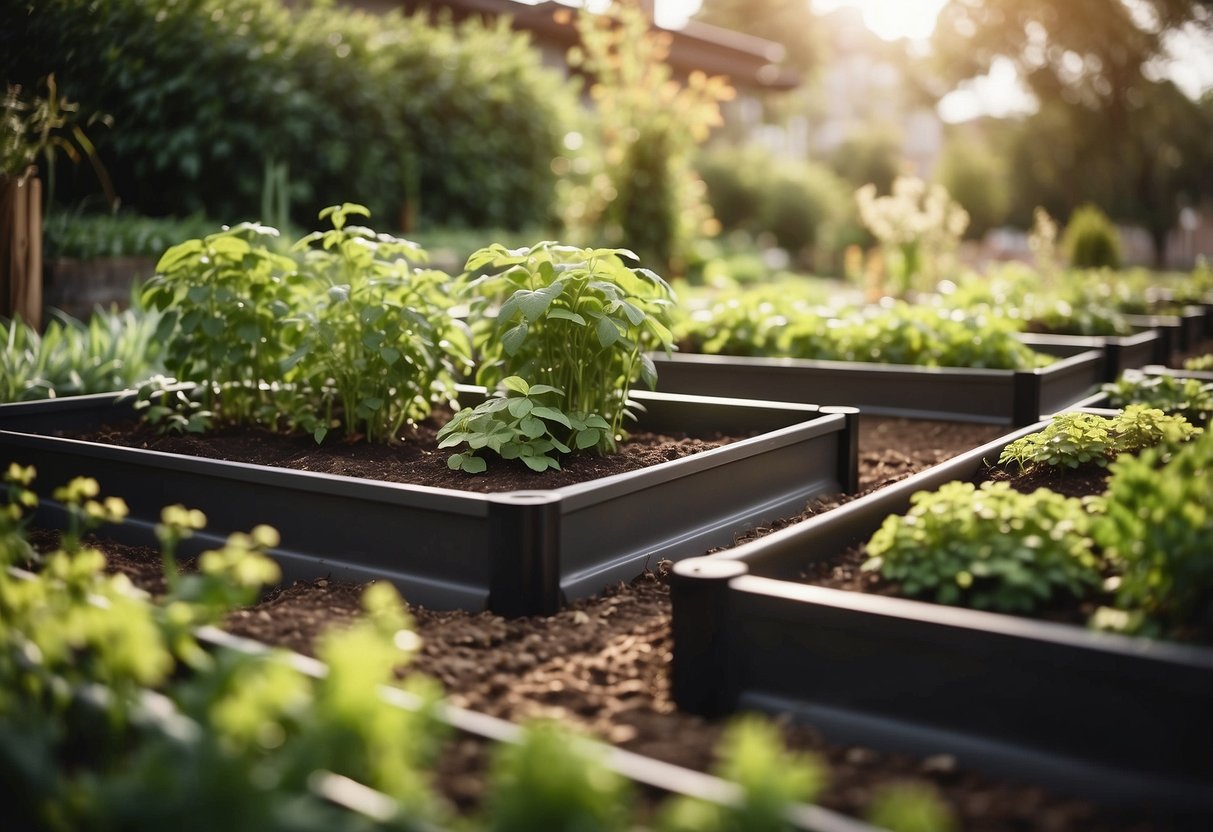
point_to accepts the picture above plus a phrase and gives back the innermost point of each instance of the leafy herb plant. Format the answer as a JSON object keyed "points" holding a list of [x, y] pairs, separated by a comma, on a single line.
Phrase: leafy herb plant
{"points": [[521, 421], [990, 548], [1202, 363], [576, 320], [1074, 439]]}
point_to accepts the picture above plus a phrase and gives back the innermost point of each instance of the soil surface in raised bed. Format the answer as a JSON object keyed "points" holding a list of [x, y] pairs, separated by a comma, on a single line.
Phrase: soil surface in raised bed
{"points": [[417, 461], [602, 664]]}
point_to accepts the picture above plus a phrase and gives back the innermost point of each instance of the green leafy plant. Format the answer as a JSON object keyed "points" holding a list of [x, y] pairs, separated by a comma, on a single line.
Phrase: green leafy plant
{"points": [[1156, 527], [1190, 398], [1074, 439], [226, 299], [752, 755], [990, 548], [84, 236], [521, 421], [377, 332], [910, 807], [1202, 363], [112, 351], [577, 320]]}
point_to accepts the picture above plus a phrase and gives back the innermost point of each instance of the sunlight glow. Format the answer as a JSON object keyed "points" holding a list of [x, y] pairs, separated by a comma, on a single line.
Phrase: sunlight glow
{"points": [[891, 19]]}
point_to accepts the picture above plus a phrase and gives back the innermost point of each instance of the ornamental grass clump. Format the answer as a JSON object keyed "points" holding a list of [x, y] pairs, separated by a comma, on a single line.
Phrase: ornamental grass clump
{"points": [[1156, 526], [988, 547], [573, 323], [1075, 439]]}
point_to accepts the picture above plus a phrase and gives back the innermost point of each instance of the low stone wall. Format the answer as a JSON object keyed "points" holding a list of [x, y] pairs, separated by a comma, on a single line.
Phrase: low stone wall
{"points": [[78, 286]]}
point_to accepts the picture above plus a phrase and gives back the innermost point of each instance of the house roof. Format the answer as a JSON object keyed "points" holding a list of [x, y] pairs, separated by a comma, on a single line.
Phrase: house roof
{"points": [[748, 61]]}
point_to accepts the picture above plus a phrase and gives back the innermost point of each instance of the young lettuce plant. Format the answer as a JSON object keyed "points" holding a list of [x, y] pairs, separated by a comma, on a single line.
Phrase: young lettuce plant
{"points": [[379, 338], [990, 548], [520, 421], [575, 319]]}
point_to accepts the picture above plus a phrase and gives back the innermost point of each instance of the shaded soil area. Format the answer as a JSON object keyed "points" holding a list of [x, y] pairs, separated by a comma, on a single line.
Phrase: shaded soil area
{"points": [[602, 665]]}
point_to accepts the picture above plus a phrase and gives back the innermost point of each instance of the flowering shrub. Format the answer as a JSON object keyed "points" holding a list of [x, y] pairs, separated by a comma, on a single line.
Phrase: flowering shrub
{"points": [[916, 225]]}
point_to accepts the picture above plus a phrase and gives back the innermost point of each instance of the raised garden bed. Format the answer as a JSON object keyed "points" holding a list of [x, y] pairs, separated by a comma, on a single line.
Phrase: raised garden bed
{"points": [[997, 396], [516, 553], [1124, 720], [1120, 352]]}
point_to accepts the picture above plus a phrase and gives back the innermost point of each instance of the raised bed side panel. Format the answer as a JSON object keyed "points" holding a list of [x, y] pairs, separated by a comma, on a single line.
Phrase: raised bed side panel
{"points": [[1004, 693], [709, 505], [1121, 352], [974, 395], [434, 551]]}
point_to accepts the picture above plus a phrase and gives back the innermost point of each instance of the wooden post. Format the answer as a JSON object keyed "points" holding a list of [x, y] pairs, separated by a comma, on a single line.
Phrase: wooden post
{"points": [[21, 248]]}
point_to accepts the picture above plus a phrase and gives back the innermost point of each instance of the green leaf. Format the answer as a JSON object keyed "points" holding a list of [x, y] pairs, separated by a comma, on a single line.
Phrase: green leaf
{"points": [[552, 415], [540, 463], [520, 407], [607, 332], [213, 327], [587, 438], [532, 427], [513, 338], [516, 384], [566, 315], [390, 355]]}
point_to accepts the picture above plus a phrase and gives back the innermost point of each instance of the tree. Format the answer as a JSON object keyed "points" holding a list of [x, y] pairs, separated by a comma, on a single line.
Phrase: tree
{"points": [[1108, 130]]}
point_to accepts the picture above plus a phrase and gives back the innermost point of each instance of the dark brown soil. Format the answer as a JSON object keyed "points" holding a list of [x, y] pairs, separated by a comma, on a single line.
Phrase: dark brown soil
{"points": [[602, 665], [417, 461]]}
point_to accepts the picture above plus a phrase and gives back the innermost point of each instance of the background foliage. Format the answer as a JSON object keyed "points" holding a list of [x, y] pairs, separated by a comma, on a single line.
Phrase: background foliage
{"points": [[456, 123]]}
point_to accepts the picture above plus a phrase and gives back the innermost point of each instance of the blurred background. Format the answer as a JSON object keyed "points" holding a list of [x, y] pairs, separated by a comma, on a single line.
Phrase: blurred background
{"points": [[706, 135]]}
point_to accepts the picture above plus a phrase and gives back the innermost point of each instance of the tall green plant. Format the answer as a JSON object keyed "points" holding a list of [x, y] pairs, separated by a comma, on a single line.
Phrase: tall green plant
{"points": [[377, 331], [575, 319]]}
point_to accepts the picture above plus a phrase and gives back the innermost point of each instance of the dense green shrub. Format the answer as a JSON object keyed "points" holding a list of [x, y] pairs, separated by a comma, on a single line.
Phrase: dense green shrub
{"points": [[88, 236], [462, 119], [1090, 241]]}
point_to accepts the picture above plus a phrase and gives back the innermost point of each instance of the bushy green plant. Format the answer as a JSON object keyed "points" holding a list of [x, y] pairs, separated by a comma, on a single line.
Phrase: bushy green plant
{"points": [[1090, 241], [576, 320], [547, 782], [749, 321], [348, 334], [910, 807], [1074, 439], [1156, 527], [987, 547], [1200, 363], [226, 300], [520, 421], [1187, 397], [112, 351], [376, 330]]}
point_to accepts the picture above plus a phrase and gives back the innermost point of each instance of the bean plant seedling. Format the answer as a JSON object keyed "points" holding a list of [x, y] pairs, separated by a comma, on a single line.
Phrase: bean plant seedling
{"points": [[576, 320]]}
